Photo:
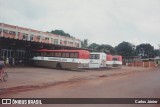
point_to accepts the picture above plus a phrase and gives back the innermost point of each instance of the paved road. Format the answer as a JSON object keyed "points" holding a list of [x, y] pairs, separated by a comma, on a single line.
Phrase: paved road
{"points": [[134, 85]]}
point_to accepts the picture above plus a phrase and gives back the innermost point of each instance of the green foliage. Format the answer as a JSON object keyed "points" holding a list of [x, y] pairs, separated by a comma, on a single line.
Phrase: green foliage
{"points": [[84, 43], [102, 48], [157, 52], [94, 46], [60, 32], [145, 50], [125, 49], [106, 48]]}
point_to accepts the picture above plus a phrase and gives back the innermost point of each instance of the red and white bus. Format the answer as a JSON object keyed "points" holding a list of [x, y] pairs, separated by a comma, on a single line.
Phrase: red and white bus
{"points": [[117, 60], [109, 60], [62, 59]]}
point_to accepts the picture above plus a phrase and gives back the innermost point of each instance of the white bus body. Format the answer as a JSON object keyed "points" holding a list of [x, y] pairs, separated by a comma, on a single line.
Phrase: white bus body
{"points": [[97, 60]]}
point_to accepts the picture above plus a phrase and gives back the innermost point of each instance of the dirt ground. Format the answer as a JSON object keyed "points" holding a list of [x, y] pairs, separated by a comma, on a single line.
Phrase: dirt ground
{"points": [[125, 82], [28, 78]]}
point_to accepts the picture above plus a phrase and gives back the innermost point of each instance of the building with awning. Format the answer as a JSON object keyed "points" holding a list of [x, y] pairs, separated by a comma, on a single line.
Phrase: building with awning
{"points": [[17, 43]]}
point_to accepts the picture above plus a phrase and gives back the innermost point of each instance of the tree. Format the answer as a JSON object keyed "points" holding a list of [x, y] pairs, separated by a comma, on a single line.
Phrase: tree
{"points": [[156, 52], [125, 49], [84, 43], [60, 32], [93, 46], [145, 51], [106, 48]]}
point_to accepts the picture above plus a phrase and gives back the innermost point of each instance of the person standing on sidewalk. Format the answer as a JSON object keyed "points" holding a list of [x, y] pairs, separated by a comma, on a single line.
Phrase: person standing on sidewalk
{"points": [[1, 69]]}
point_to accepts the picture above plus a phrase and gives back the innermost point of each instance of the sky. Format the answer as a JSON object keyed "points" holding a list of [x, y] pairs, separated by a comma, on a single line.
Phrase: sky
{"points": [[100, 21]]}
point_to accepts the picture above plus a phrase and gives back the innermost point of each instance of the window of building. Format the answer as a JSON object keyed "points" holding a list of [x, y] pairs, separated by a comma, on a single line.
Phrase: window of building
{"points": [[38, 37], [55, 41], [52, 40], [46, 38], [65, 42], [25, 36], [31, 37], [5, 31], [77, 44], [12, 32], [60, 41]]}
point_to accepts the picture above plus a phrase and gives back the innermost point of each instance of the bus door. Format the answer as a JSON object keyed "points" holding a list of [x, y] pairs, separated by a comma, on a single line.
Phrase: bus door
{"points": [[103, 60]]}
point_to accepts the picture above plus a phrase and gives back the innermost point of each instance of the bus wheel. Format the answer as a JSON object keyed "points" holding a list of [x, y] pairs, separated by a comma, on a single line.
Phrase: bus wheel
{"points": [[58, 66]]}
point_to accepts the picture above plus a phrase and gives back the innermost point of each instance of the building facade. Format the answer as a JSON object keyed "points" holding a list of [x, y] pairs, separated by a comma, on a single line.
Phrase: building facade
{"points": [[17, 43], [26, 34]]}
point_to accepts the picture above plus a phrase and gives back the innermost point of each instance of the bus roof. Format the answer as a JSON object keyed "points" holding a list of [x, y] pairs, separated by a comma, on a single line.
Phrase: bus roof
{"points": [[97, 53], [46, 50], [117, 56]]}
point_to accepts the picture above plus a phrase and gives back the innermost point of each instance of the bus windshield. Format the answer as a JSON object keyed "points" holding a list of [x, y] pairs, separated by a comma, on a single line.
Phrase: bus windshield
{"points": [[94, 56]]}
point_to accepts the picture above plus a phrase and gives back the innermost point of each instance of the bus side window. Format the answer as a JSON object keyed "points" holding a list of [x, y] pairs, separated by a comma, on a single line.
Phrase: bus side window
{"points": [[53, 54], [67, 55], [57, 54], [71, 55], [92, 56], [97, 56], [114, 59], [75, 55], [63, 55], [50, 54], [43, 54]]}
